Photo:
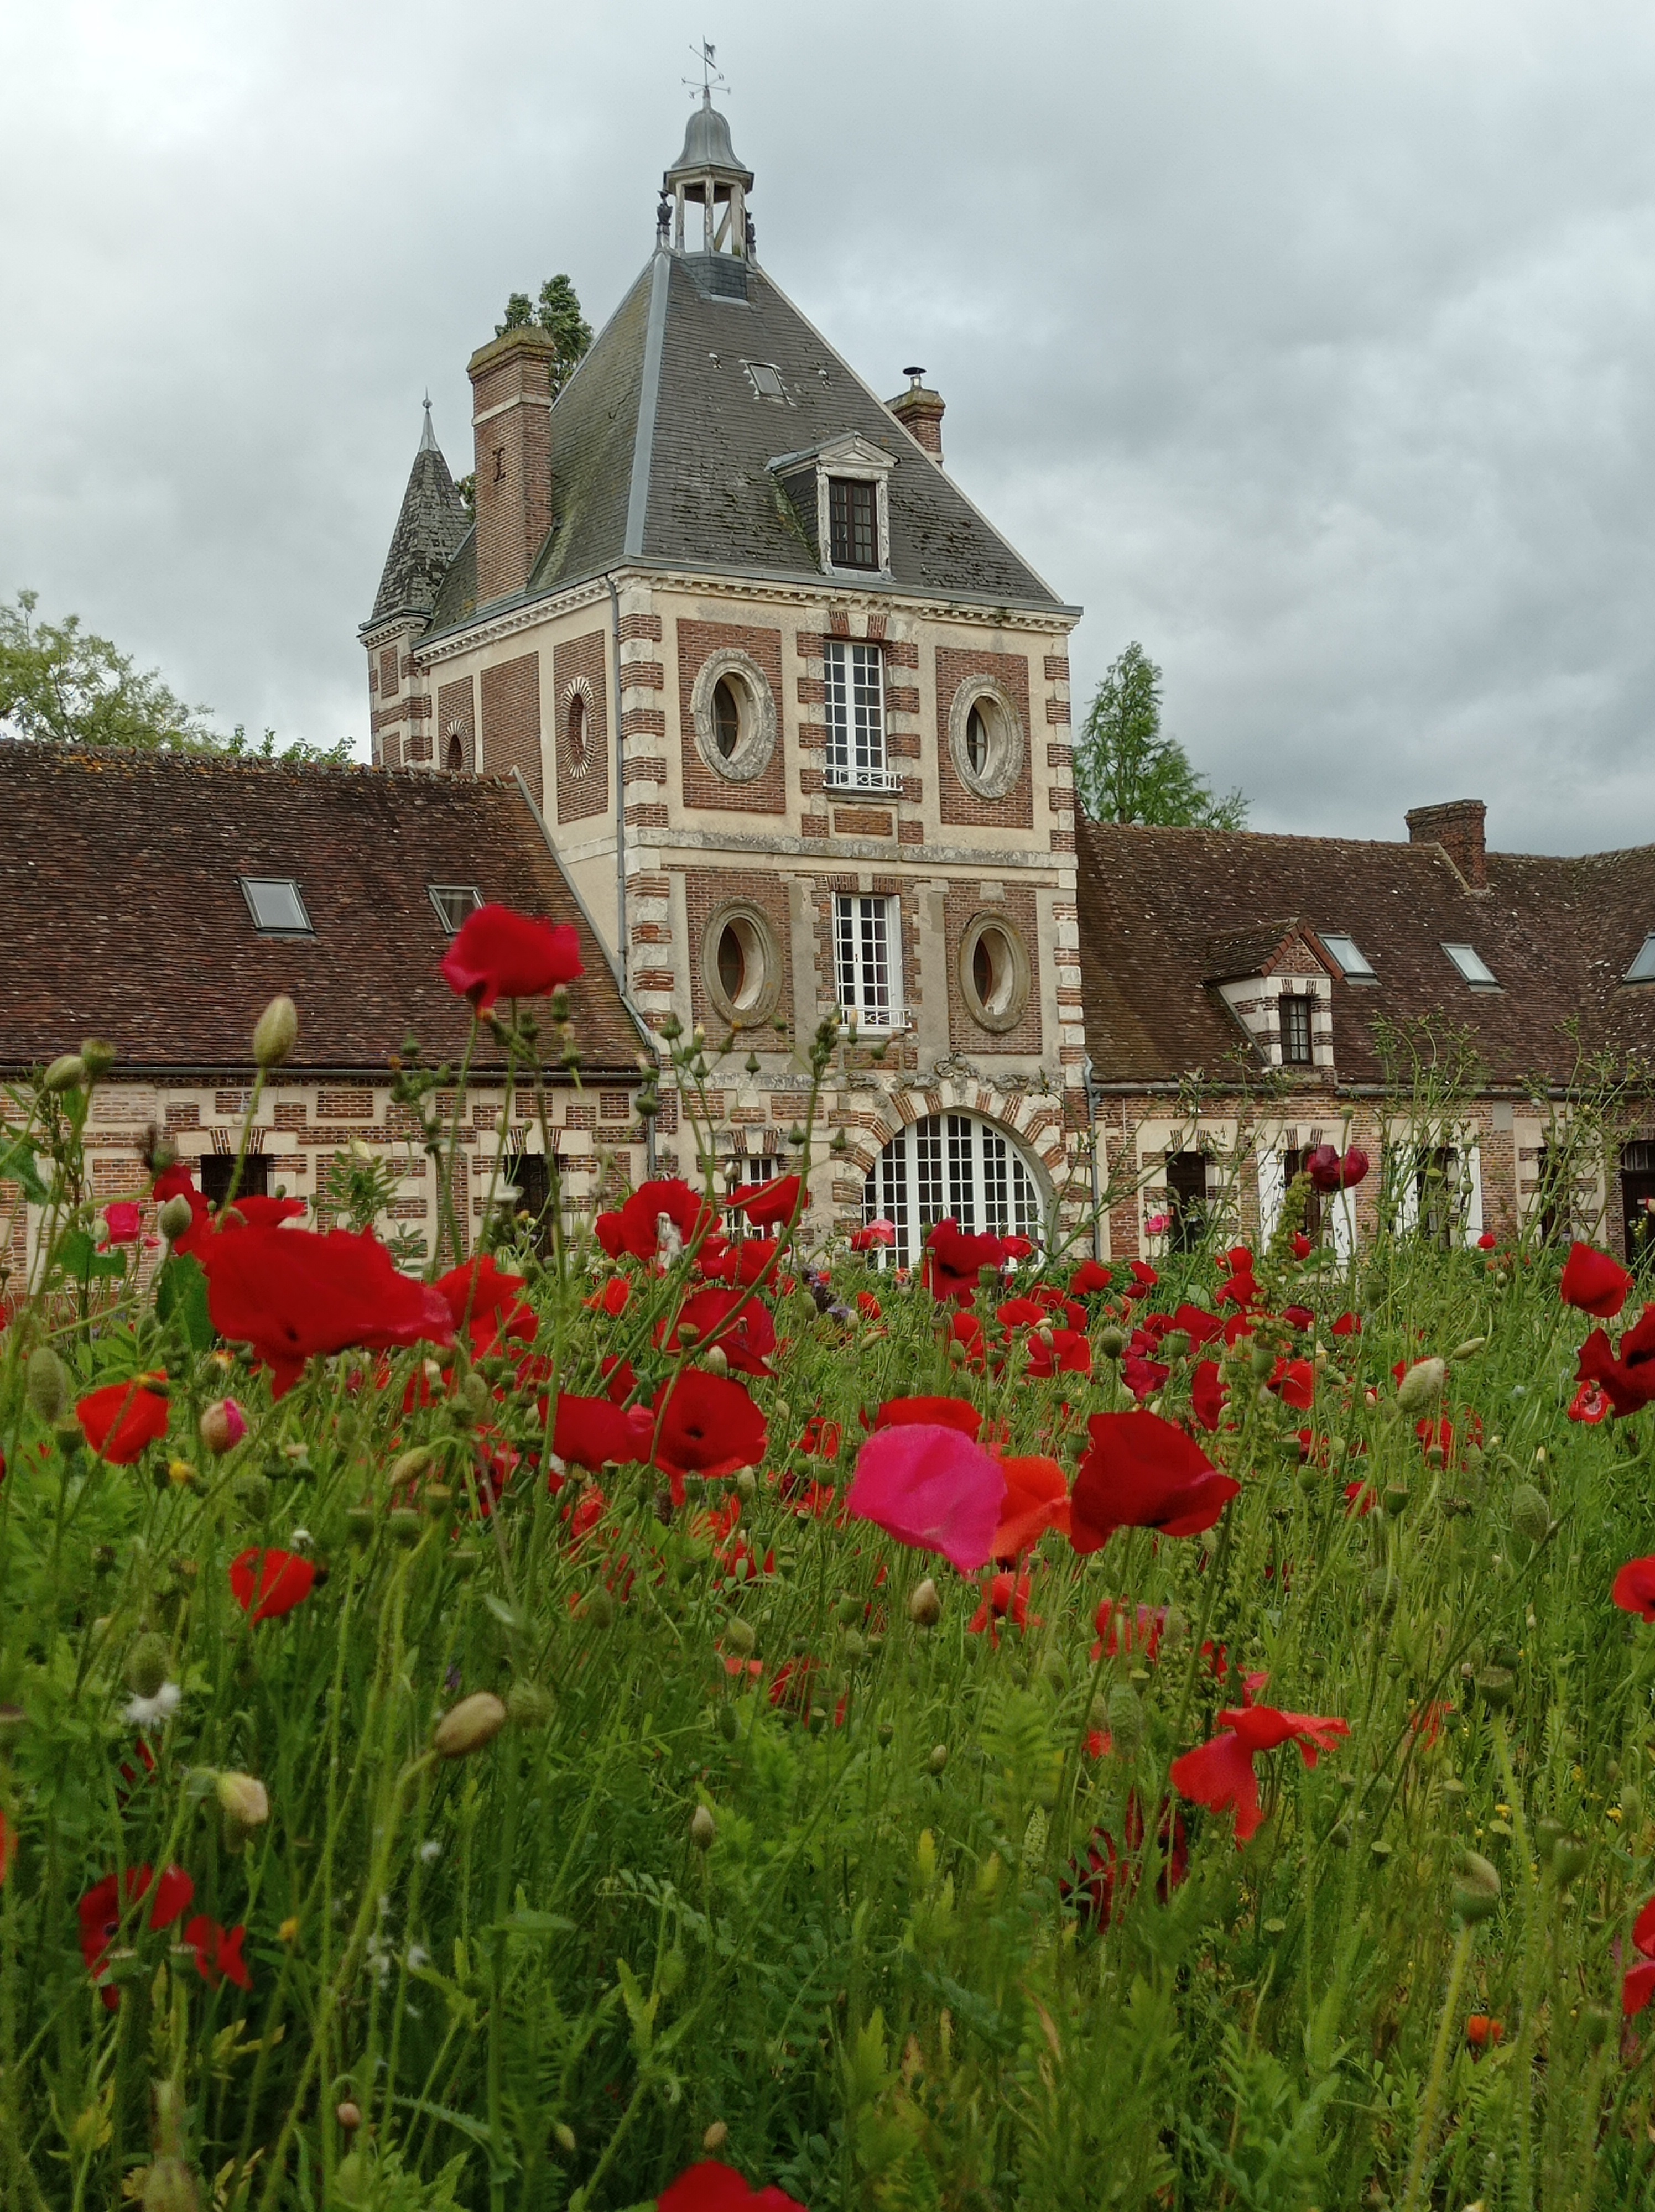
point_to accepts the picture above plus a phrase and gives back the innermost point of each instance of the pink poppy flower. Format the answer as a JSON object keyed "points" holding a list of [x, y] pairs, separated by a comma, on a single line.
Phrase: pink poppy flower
{"points": [[932, 1488]]}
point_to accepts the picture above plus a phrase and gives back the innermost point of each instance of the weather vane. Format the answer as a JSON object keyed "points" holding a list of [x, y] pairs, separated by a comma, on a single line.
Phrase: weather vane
{"points": [[706, 54]]}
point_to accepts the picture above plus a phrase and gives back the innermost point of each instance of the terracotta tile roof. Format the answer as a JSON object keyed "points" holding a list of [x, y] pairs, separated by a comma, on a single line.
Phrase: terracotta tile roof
{"points": [[1558, 933], [122, 913]]}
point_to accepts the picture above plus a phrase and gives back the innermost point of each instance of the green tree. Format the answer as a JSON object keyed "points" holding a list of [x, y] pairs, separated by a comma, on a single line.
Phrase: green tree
{"points": [[1127, 770], [63, 684], [559, 313]]}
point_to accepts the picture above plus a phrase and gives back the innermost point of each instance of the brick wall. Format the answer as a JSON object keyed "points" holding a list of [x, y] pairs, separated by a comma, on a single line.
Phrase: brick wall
{"points": [[580, 669], [1016, 905], [387, 671], [457, 719], [704, 787], [511, 392], [511, 720], [1010, 672], [706, 889]]}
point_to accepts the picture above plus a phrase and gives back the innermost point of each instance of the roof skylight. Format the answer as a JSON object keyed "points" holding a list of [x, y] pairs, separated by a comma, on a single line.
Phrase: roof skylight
{"points": [[454, 902], [276, 909], [1642, 970], [766, 380], [1473, 966], [1353, 964]]}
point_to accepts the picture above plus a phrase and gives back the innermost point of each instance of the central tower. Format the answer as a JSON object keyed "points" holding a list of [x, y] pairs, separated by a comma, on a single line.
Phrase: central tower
{"points": [[795, 714]]}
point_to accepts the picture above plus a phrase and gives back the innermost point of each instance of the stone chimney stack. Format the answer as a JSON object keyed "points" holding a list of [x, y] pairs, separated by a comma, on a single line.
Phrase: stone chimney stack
{"points": [[921, 410], [1456, 826], [511, 407]]}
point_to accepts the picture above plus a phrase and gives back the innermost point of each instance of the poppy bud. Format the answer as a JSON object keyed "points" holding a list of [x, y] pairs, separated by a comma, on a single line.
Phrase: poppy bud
{"points": [[174, 1217], [599, 1608], [223, 1426], [728, 1726], [1175, 1345], [938, 1758], [925, 1605], [703, 1828], [1126, 1718], [146, 1665], [469, 1725], [1112, 1341], [716, 1360], [1595, 2021], [529, 1704], [1476, 1892], [97, 1056], [64, 1073], [1531, 1517], [169, 2187], [565, 2134], [1569, 1859], [1496, 1687], [1422, 1385], [245, 1802], [746, 1484], [275, 1032], [1469, 1349], [48, 1383], [741, 1635], [348, 2116], [715, 2137]]}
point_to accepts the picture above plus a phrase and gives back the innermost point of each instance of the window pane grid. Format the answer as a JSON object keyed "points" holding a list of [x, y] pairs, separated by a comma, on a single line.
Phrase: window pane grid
{"points": [[854, 684], [852, 530], [862, 929], [950, 1166]]}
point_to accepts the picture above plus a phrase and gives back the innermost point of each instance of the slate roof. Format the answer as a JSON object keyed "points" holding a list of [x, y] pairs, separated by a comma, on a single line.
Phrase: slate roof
{"points": [[122, 913], [1558, 934], [432, 523], [660, 453]]}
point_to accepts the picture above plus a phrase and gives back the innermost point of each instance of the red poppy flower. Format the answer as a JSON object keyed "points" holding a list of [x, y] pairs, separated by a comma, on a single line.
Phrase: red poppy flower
{"points": [[255, 1211], [868, 1305], [1144, 1472], [270, 1582], [292, 1294], [588, 1432], [1638, 1986], [612, 1298], [217, 1952], [1480, 2031], [1206, 1394], [122, 1222], [873, 1237], [1348, 1324], [1239, 1289], [1487, 1241], [737, 1321], [750, 1262], [1299, 1317], [930, 1412], [497, 954], [1144, 1279], [1353, 1169], [121, 1418], [933, 1488], [620, 1378], [1629, 1379], [953, 1261], [770, 1204], [967, 1330], [1590, 1403], [705, 1424], [478, 1289], [636, 1228], [1323, 1168], [1058, 1352], [1220, 1775], [1594, 1282], [821, 1439], [1293, 1381], [1120, 1629], [99, 1911], [1006, 1594], [1037, 1498], [1091, 1889], [1088, 1279], [1634, 1587]]}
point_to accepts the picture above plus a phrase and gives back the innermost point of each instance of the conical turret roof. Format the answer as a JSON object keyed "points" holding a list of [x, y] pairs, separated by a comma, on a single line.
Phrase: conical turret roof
{"points": [[429, 530]]}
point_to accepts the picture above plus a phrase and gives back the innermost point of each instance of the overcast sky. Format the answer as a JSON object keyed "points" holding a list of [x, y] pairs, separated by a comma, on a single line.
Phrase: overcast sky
{"points": [[1310, 343]]}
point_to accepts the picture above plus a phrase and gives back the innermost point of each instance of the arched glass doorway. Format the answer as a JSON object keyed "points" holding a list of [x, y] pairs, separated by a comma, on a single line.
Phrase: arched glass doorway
{"points": [[951, 1166]]}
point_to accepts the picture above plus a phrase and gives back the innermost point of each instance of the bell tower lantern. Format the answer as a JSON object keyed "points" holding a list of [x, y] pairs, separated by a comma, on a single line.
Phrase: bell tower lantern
{"points": [[706, 175]]}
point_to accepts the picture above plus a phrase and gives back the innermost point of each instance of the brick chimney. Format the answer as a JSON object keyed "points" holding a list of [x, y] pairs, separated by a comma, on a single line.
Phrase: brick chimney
{"points": [[921, 410], [511, 406], [1456, 826]]}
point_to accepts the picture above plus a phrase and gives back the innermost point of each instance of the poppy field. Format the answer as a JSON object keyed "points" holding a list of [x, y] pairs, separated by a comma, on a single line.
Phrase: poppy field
{"points": [[666, 1711]]}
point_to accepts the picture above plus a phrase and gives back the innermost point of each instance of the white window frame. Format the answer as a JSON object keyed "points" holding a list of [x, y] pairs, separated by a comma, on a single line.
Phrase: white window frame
{"points": [[857, 758], [252, 886], [438, 892], [951, 1166], [855, 987]]}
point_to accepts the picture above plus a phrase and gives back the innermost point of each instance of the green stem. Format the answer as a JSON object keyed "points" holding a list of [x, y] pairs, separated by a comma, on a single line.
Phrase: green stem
{"points": [[1438, 2067]]}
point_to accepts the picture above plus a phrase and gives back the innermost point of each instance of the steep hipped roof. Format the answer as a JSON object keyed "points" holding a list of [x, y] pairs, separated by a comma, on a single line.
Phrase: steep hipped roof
{"points": [[1559, 935], [123, 916], [433, 522], [661, 449]]}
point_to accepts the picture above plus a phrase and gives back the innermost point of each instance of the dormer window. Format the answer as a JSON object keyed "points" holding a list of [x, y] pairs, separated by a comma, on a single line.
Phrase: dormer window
{"points": [[852, 524], [1353, 964], [1473, 966], [1296, 1049], [1642, 970]]}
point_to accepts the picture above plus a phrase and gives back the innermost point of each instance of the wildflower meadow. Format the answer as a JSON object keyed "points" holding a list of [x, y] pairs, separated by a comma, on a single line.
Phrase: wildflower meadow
{"points": [[665, 1710]]}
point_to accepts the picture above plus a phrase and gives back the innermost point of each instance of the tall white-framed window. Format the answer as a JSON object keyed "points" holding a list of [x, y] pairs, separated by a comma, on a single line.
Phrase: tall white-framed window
{"points": [[868, 956], [951, 1167], [854, 679]]}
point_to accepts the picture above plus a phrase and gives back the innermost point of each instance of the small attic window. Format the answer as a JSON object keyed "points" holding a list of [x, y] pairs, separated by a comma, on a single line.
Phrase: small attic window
{"points": [[1642, 970], [1473, 966], [1353, 964], [275, 907], [766, 380], [454, 902]]}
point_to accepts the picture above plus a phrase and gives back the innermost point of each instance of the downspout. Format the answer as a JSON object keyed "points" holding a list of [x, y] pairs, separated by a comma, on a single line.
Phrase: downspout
{"points": [[623, 947], [1092, 1132]]}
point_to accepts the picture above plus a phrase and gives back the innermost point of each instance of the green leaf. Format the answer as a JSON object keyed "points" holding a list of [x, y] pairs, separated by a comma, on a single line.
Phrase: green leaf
{"points": [[18, 1164], [526, 1921], [502, 1611], [76, 1252], [181, 1295]]}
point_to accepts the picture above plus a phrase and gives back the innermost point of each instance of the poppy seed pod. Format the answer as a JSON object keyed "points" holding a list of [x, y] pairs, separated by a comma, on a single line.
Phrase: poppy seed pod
{"points": [[174, 1217], [275, 1032], [1112, 1341], [1422, 1385], [244, 1801], [469, 1725], [1476, 1891], [48, 1383], [741, 1635], [65, 1072], [925, 1605], [97, 1056], [704, 1829], [223, 1426]]}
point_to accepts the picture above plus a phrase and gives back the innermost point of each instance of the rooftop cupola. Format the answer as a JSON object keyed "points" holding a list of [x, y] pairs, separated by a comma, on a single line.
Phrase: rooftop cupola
{"points": [[709, 176]]}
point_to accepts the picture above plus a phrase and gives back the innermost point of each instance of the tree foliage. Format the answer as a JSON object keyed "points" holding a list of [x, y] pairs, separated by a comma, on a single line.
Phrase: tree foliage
{"points": [[1127, 770], [557, 312], [61, 683]]}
